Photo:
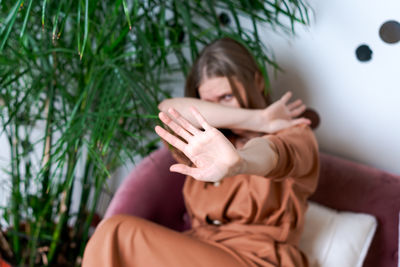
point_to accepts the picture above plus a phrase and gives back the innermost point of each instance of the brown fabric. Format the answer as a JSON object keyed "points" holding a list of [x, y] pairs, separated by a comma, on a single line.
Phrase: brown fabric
{"points": [[247, 220], [128, 241], [262, 217]]}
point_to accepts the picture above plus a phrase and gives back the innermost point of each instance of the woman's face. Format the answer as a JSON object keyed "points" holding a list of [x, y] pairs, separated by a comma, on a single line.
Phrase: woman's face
{"points": [[218, 90]]}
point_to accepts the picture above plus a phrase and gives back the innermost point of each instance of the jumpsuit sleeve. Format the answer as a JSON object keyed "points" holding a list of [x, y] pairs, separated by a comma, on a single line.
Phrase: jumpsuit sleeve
{"points": [[297, 151]]}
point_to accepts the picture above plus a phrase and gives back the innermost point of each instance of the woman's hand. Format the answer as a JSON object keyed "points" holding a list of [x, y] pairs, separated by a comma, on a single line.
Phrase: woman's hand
{"points": [[281, 115], [213, 155]]}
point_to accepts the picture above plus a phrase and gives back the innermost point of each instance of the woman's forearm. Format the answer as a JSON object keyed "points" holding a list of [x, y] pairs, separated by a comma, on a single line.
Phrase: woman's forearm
{"points": [[218, 116], [257, 157]]}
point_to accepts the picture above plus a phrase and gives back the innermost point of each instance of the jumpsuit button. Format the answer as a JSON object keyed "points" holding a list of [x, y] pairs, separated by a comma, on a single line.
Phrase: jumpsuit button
{"points": [[216, 222]]}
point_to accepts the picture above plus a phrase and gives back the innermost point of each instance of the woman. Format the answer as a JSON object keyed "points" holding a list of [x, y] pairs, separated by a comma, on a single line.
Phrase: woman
{"points": [[247, 189]]}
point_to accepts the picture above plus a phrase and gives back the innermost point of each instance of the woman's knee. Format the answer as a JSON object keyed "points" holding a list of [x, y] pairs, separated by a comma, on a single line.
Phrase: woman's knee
{"points": [[112, 222], [109, 231], [121, 225]]}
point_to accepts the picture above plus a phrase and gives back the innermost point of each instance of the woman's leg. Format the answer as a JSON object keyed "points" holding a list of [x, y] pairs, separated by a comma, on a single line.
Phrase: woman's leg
{"points": [[131, 241]]}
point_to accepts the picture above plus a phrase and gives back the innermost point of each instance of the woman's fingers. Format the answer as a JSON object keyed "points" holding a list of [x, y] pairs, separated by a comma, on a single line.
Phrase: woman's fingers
{"points": [[182, 121], [173, 140], [296, 108], [301, 121], [294, 104], [174, 126], [298, 111], [200, 119], [285, 98], [184, 169]]}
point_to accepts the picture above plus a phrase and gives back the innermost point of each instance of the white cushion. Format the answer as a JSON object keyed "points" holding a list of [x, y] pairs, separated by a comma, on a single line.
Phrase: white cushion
{"points": [[333, 238]]}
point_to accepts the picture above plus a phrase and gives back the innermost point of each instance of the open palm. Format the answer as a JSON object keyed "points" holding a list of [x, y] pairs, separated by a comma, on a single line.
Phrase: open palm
{"points": [[282, 114], [211, 152]]}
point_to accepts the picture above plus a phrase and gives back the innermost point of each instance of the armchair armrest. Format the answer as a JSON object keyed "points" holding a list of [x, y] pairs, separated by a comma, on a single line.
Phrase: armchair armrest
{"points": [[152, 192], [349, 186]]}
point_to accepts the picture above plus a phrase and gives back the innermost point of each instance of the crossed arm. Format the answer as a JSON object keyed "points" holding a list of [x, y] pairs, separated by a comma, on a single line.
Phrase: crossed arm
{"points": [[213, 155], [277, 116]]}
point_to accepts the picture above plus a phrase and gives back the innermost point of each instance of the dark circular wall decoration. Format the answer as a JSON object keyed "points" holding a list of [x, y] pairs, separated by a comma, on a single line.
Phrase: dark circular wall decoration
{"points": [[224, 19], [364, 53], [390, 32]]}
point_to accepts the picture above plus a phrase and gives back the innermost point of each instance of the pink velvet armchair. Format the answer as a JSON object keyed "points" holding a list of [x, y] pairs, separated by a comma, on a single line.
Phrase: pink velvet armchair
{"points": [[154, 193]]}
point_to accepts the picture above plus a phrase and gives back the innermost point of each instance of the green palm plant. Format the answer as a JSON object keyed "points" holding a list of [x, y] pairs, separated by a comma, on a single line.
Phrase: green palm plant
{"points": [[80, 81]]}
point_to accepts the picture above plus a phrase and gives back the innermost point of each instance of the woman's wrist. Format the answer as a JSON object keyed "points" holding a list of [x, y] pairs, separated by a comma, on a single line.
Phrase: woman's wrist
{"points": [[242, 164], [251, 120]]}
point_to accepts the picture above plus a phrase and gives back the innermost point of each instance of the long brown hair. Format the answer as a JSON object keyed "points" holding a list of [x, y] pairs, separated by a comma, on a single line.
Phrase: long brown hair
{"points": [[228, 58]]}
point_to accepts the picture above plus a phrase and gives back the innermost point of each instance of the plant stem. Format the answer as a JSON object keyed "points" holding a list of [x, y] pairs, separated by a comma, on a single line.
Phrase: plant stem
{"points": [[66, 195], [99, 185], [36, 233], [46, 159], [15, 194], [85, 194]]}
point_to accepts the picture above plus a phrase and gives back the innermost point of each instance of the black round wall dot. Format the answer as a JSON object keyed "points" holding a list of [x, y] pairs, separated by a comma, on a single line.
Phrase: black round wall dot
{"points": [[224, 19], [363, 53], [390, 32]]}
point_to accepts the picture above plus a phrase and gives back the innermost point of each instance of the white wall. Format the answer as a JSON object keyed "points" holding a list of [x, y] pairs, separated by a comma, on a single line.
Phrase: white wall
{"points": [[5, 184], [358, 102]]}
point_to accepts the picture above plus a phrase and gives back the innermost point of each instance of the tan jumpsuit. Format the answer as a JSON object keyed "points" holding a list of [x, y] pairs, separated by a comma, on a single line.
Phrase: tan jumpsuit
{"points": [[246, 220]]}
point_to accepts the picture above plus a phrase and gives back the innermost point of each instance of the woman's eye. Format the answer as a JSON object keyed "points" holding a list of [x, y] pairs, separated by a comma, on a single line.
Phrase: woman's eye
{"points": [[226, 97]]}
